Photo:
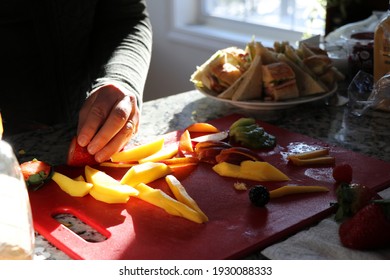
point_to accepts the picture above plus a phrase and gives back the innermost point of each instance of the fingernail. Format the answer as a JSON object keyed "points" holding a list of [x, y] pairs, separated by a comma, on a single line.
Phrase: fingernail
{"points": [[91, 149], [99, 158], [83, 140]]}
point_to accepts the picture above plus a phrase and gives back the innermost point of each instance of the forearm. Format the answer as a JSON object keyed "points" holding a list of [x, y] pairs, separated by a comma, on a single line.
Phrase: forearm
{"points": [[121, 45]]}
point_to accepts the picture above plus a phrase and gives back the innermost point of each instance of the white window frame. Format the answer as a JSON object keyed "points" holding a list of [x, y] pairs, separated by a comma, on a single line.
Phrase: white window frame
{"points": [[187, 28]]}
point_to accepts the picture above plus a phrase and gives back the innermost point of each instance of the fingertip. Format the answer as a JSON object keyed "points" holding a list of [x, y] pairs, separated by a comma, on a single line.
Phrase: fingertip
{"points": [[82, 140], [100, 158]]}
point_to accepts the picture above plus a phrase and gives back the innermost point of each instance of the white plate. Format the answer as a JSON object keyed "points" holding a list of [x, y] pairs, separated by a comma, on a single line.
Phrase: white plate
{"points": [[269, 105]]}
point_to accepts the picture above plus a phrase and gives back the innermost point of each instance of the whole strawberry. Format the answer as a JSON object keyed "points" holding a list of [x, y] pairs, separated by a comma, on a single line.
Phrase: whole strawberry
{"points": [[369, 228], [79, 156], [351, 198], [342, 173]]}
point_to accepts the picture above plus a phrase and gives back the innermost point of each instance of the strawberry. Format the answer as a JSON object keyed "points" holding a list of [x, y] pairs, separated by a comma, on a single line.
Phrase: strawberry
{"points": [[342, 173], [79, 156], [369, 228], [351, 198], [36, 173]]}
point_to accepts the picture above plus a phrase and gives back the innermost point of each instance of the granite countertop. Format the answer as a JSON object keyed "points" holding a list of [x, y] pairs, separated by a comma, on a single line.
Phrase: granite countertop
{"points": [[368, 134]]}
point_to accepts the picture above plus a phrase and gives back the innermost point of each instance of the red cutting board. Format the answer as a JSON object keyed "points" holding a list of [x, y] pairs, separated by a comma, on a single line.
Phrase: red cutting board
{"points": [[138, 230]]}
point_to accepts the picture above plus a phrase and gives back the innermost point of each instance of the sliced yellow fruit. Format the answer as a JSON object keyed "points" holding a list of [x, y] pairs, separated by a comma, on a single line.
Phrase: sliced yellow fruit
{"points": [[310, 154], [145, 173], [107, 185], [262, 170], [139, 152], [228, 169], [160, 199], [79, 178], [181, 195], [325, 160], [251, 170], [164, 153], [107, 198], [99, 178], [287, 190], [70, 186]]}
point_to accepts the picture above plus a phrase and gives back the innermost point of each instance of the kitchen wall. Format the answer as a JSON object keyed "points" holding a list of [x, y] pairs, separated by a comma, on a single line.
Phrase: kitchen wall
{"points": [[172, 62]]}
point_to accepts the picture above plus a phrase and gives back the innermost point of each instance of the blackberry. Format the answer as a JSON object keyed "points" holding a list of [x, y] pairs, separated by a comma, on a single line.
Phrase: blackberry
{"points": [[259, 195]]}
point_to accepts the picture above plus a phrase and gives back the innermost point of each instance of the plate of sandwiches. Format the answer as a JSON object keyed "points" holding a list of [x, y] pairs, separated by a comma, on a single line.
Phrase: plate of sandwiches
{"points": [[263, 78]]}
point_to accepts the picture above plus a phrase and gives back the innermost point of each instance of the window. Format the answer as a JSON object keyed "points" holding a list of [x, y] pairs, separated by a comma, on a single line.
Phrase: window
{"points": [[303, 16], [215, 24]]}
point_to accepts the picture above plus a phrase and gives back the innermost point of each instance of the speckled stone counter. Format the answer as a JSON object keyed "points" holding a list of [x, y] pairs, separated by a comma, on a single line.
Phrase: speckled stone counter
{"points": [[369, 134]]}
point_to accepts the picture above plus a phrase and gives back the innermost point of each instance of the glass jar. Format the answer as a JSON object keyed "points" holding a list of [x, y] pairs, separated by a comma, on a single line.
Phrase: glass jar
{"points": [[360, 53], [16, 228]]}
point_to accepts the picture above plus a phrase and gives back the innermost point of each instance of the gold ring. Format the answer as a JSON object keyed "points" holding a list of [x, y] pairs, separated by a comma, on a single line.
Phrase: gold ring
{"points": [[130, 123]]}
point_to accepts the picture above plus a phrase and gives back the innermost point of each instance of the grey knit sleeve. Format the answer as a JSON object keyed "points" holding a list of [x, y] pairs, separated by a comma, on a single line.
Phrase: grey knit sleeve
{"points": [[121, 44]]}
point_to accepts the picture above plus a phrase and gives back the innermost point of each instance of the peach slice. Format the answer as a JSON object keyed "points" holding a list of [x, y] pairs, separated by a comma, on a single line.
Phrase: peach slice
{"points": [[202, 127], [185, 144], [70, 186], [138, 152], [209, 155], [236, 155]]}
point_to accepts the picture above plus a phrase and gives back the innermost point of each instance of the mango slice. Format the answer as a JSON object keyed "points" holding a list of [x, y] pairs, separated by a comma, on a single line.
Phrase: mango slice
{"points": [[107, 185], [181, 195], [145, 173], [288, 190], [160, 199], [326, 160], [79, 178], [71, 186], [251, 170], [263, 170], [139, 152], [164, 153], [108, 198]]}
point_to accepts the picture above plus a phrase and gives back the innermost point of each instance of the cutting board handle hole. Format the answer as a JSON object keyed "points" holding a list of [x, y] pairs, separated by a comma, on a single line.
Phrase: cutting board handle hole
{"points": [[76, 225]]}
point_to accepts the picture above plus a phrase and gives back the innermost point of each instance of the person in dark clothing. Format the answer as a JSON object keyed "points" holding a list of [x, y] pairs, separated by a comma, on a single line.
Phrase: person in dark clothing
{"points": [[83, 61]]}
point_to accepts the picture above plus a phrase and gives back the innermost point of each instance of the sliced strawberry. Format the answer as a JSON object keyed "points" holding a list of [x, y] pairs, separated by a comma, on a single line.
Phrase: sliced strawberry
{"points": [[36, 172], [351, 198], [369, 228], [79, 156]]}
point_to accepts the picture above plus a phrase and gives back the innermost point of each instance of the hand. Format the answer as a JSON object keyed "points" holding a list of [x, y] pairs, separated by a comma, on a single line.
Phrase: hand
{"points": [[107, 121]]}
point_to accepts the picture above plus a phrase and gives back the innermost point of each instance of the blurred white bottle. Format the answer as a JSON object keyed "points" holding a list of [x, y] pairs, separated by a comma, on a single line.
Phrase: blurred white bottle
{"points": [[16, 228]]}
